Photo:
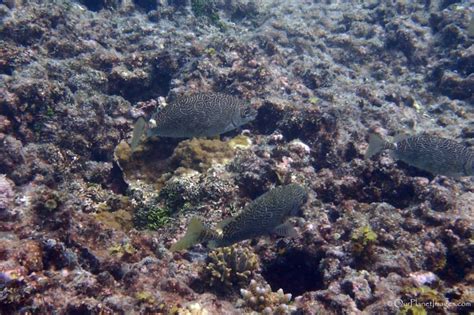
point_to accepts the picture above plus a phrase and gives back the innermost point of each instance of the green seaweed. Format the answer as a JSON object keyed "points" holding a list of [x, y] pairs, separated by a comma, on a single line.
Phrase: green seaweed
{"points": [[157, 217], [363, 240], [121, 250], [424, 297], [145, 297], [412, 310], [49, 111]]}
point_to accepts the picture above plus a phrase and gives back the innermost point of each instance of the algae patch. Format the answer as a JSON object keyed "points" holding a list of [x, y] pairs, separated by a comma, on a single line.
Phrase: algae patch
{"points": [[201, 154], [119, 220]]}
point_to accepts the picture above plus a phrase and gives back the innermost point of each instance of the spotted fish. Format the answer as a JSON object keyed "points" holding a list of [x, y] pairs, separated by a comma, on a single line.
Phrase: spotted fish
{"points": [[266, 214], [439, 156], [197, 115]]}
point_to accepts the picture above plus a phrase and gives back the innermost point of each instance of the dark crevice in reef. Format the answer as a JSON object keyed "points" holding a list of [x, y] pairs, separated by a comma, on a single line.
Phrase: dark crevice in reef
{"points": [[6, 69], [157, 81], [379, 185], [136, 90], [413, 171], [268, 118], [100, 155], [94, 5], [295, 272], [457, 265], [147, 5], [117, 182]]}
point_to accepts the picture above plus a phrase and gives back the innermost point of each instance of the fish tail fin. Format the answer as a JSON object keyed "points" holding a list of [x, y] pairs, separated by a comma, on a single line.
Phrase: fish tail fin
{"points": [[138, 130], [376, 144], [195, 233]]}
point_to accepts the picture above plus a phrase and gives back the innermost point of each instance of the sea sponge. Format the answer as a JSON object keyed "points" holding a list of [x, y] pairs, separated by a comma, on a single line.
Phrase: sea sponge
{"points": [[240, 142], [261, 298], [229, 266]]}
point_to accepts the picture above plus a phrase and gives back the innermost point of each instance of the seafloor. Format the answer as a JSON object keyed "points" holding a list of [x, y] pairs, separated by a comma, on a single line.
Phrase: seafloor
{"points": [[86, 225]]}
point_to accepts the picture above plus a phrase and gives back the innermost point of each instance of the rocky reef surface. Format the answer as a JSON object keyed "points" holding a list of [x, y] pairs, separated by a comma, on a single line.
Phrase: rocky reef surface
{"points": [[85, 224]]}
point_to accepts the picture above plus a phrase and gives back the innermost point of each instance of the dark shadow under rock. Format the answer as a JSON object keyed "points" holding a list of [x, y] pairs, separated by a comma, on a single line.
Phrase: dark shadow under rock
{"points": [[295, 272]]}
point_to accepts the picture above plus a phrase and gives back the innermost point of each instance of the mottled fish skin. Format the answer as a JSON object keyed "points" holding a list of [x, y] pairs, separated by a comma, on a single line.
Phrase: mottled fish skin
{"points": [[264, 214], [201, 115], [436, 155], [439, 156]]}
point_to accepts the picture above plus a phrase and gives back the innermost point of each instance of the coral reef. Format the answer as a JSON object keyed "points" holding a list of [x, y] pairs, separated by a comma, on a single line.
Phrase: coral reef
{"points": [[86, 224]]}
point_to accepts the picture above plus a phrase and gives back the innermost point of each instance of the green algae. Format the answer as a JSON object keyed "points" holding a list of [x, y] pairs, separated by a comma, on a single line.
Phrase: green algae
{"points": [[145, 297], [121, 250], [363, 240], [157, 217], [412, 310]]}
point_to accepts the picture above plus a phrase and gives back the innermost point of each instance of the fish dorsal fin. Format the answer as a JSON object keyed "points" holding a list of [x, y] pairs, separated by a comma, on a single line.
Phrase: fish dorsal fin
{"points": [[286, 229]]}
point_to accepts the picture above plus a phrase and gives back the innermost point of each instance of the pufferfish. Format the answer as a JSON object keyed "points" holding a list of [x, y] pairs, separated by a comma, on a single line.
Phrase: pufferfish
{"points": [[197, 115], [266, 214]]}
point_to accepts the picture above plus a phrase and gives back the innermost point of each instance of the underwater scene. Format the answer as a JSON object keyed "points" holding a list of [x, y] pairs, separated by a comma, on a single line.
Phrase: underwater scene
{"points": [[201, 157]]}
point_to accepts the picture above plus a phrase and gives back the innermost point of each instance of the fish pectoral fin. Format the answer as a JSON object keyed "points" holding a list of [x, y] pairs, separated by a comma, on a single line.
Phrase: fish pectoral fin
{"points": [[376, 144], [212, 244], [286, 229], [400, 137], [139, 129], [192, 236], [223, 223]]}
